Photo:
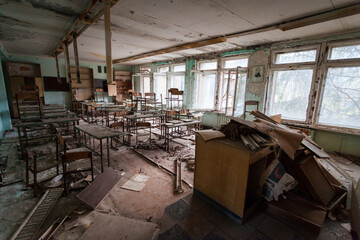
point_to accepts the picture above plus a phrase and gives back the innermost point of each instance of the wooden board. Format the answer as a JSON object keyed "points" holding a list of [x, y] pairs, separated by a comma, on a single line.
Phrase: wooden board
{"points": [[317, 151], [317, 183], [299, 211], [117, 227], [93, 194]]}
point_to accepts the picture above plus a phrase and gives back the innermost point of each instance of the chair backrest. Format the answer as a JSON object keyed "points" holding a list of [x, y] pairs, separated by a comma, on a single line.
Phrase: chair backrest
{"points": [[29, 88], [72, 156], [116, 124], [143, 124]]}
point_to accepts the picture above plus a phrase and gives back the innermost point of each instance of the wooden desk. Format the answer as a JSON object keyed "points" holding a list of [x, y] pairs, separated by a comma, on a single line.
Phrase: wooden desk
{"points": [[86, 132], [177, 124], [228, 174]]}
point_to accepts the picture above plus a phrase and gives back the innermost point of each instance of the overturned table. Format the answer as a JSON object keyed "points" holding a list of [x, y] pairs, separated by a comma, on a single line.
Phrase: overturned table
{"points": [[86, 132]]}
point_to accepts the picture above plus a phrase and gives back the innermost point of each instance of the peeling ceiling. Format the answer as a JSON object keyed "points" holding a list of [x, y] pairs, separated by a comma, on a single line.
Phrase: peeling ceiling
{"points": [[34, 27]]}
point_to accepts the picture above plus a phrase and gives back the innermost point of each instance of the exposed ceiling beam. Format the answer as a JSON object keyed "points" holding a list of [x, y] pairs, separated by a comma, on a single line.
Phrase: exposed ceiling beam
{"points": [[81, 24], [297, 23], [322, 17], [173, 49]]}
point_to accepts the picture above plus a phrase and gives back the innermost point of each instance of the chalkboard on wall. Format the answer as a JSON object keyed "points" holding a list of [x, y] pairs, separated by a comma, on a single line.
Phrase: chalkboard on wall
{"points": [[52, 84]]}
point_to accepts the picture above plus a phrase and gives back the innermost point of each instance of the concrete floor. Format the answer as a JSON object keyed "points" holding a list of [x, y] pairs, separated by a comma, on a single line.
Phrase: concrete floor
{"points": [[178, 216]]}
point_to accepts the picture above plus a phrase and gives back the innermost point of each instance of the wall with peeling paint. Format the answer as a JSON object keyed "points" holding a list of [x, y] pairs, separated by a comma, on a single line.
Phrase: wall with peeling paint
{"points": [[48, 69], [5, 120]]}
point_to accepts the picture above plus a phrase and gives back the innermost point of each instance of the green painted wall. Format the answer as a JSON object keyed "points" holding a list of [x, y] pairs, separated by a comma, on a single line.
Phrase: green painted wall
{"points": [[48, 69], [5, 120]]}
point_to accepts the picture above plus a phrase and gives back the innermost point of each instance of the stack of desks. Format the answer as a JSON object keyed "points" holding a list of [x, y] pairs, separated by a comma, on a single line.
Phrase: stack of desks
{"points": [[167, 129], [40, 124], [86, 132]]}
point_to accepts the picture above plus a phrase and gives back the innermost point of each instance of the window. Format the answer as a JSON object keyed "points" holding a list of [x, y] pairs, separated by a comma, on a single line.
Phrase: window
{"points": [[160, 86], [340, 104], [290, 86], [290, 93], [229, 87], [163, 69], [296, 57], [203, 86], [179, 68], [177, 77], [345, 52], [234, 63], [208, 65]]}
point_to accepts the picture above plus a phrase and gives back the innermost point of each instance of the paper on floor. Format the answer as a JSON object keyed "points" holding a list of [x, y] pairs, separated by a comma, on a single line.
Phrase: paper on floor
{"points": [[136, 183]]}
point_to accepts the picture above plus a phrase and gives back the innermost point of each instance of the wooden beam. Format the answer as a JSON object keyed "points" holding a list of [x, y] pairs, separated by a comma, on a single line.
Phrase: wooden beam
{"points": [[173, 49], [67, 62], [57, 69], [322, 17], [83, 26], [107, 26], [76, 56]]}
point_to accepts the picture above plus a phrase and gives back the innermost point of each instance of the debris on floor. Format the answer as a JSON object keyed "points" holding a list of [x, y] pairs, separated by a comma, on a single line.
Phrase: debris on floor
{"points": [[136, 183]]}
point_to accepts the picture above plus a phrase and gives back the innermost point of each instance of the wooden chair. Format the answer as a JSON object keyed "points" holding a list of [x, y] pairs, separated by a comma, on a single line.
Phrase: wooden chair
{"points": [[250, 103], [70, 157], [117, 126], [36, 162], [28, 97], [143, 126]]}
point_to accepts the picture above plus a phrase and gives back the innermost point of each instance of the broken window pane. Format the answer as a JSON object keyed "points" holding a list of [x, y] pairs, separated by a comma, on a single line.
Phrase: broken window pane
{"points": [[208, 65], [234, 63], [203, 91], [340, 104], [346, 52], [296, 57], [179, 68], [290, 93]]}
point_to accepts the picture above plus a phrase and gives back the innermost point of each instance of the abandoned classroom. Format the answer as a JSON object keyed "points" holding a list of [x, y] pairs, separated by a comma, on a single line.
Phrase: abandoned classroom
{"points": [[179, 119]]}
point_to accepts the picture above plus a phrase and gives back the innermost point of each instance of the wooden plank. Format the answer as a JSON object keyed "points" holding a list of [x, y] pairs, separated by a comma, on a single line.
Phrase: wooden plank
{"points": [[299, 211], [99, 188], [317, 183], [322, 17], [317, 151], [57, 69], [67, 62]]}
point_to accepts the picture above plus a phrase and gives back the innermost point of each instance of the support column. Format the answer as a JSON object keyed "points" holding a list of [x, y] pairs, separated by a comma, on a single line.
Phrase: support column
{"points": [[67, 62], [76, 56], [57, 68], [107, 19]]}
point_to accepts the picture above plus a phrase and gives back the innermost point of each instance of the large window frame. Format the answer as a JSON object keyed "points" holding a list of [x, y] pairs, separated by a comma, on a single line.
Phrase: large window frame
{"points": [[335, 63], [292, 66], [192, 82], [224, 90]]}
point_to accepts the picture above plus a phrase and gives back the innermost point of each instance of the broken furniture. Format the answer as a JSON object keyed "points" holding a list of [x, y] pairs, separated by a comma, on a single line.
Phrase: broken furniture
{"points": [[70, 157], [100, 133], [227, 174], [93, 194], [32, 223], [174, 129], [151, 103]]}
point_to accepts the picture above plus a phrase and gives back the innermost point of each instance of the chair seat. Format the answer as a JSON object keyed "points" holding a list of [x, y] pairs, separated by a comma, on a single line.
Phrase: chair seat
{"points": [[44, 163], [81, 149]]}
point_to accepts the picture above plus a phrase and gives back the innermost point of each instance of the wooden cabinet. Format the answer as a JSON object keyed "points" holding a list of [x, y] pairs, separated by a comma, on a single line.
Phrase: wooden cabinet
{"points": [[123, 83], [84, 90], [229, 174]]}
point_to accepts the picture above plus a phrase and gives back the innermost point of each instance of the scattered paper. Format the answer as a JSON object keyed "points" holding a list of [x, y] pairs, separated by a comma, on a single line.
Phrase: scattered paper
{"points": [[136, 183]]}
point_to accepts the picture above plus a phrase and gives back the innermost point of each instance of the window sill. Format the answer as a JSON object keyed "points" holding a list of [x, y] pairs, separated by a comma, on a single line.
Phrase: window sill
{"points": [[350, 131]]}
